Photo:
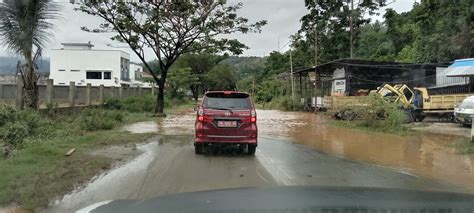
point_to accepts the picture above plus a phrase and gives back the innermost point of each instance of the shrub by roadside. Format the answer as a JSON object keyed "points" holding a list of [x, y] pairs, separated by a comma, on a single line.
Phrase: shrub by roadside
{"points": [[379, 115], [145, 103], [33, 165], [280, 102]]}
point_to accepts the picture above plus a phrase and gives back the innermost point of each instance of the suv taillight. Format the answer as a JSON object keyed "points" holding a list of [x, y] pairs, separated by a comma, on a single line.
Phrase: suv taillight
{"points": [[253, 116], [200, 114]]}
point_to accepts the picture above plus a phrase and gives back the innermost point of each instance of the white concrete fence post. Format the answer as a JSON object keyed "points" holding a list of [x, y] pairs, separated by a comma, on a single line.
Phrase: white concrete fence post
{"points": [[1, 91], [49, 92], [120, 92], [472, 129], [19, 92], [72, 93], [88, 94], [101, 94]]}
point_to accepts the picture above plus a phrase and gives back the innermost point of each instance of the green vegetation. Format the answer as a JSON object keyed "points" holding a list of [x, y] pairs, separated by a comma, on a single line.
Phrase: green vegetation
{"points": [[202, 26], [418, 36], [464, 146], [25, 29], [380, 115], [280, 103], [34, 168]]}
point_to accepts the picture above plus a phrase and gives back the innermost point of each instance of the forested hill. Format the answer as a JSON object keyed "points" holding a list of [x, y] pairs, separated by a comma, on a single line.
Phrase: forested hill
{"points": [[8, 65], [244, 66]]}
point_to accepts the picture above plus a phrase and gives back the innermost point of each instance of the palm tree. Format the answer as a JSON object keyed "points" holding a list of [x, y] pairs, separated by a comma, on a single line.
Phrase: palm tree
{"points": [[25, 29]]}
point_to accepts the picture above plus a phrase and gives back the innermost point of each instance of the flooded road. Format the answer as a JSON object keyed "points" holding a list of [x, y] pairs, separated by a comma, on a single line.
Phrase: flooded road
{"points": [[294, 149], [423, 154]]}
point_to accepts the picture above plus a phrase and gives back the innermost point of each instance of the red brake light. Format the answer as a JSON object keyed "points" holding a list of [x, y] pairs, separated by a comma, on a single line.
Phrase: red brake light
{"points": [[200, 114], [253, 115]]}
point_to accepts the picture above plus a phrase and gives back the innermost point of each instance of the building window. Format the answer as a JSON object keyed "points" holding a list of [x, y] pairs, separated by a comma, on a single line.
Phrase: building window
{"points": [[62, 83], [124, 69], [75, 70], [61, 70], [93, 75], [107, 75]]}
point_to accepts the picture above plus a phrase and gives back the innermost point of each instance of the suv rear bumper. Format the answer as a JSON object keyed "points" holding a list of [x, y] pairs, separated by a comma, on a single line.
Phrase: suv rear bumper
{"points": [[225, 139]]}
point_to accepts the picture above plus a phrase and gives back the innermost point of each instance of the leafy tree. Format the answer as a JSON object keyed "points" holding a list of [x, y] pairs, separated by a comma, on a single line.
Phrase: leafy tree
{"points": [[335, 22], [180, 79], [25, 30], [171, 29], [221, 77], [199, 64]]}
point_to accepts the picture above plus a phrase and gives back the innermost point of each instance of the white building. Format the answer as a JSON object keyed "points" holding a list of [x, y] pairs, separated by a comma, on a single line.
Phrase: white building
{"points": [[80, 63], [136, 74]]}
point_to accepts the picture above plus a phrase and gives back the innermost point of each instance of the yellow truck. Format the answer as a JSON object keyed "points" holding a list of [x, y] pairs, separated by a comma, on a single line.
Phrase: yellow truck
{"points": [[417, 101]]}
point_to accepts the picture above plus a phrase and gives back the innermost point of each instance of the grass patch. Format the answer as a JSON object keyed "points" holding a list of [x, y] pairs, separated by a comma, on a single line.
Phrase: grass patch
{"points": [[362, 125], [378, 115], [34, 168], [278, 103], [464, 146]]}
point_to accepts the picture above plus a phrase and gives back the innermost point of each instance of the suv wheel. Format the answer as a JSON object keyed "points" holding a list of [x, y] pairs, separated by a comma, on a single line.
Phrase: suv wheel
{"points": [[251, 149], [198, 149]]}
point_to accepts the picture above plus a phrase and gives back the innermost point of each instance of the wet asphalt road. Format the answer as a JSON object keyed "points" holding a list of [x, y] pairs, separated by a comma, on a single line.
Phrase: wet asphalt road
{"points": [[169, 166]]}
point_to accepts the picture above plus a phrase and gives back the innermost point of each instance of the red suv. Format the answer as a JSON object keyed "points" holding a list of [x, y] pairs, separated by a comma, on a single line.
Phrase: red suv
{"points": [[226, 118]]}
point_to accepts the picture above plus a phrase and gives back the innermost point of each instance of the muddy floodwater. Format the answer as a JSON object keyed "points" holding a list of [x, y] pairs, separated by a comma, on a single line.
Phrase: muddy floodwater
{"points": [[424, 154], [294, 149]]}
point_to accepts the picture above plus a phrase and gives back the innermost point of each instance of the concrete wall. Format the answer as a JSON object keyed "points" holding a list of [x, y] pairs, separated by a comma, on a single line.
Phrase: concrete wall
{"points": [[60, 94]]}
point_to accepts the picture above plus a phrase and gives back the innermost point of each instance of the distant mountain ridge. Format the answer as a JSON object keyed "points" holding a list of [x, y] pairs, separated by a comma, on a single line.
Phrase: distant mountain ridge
{"points": [[8, 65]]}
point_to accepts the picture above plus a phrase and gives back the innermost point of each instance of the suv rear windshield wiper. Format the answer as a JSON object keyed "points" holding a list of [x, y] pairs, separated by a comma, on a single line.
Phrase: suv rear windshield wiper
{"points": [[219, 108]]}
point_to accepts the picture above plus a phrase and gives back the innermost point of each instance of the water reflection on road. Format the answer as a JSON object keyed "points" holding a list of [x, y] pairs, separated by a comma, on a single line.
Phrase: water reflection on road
{"points": [[422, 154], [291, 152]]}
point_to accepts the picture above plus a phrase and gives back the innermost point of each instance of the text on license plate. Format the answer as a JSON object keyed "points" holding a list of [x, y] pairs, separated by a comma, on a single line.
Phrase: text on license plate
{"points": [[227, 123]]}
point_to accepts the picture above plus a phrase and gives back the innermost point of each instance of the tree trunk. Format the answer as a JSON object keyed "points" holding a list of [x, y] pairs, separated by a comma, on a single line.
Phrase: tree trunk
{"points": [[30, 83], [30, 95], [195, 91], [160, 99]]}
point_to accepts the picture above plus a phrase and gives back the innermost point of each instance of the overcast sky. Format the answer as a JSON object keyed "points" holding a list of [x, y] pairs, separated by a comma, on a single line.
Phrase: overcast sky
{"points": [[282, 15]]}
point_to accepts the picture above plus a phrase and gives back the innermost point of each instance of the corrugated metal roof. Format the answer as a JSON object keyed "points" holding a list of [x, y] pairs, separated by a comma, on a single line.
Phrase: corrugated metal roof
{"points": [[461, 68]]}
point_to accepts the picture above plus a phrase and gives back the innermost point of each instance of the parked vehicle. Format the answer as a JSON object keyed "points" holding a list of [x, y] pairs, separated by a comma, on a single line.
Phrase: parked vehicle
{"points": [[416, 102], [226, 119], [464, 112]]}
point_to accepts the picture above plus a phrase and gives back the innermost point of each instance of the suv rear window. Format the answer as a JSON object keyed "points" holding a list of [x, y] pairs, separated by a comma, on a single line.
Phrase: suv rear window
{"points": [[227, 101]]}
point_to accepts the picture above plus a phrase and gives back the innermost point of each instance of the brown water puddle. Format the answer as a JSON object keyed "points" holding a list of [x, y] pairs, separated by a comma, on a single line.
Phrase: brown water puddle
{"points": [[423, 154]]}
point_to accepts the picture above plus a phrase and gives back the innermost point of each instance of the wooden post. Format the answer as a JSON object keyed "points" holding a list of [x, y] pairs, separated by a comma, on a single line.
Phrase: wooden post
{"points": [[152, 90], [49, 91], [120, 91], [139, 90], [72, 93], [88, 94], [101, 94], [19, 92]]}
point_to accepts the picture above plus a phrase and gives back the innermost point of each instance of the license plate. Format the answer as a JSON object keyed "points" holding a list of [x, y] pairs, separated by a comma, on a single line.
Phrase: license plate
{"points": [[227, 124]]}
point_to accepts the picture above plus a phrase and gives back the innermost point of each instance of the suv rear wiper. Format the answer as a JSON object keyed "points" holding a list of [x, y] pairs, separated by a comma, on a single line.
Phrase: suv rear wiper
{"points": [[219, 108]]}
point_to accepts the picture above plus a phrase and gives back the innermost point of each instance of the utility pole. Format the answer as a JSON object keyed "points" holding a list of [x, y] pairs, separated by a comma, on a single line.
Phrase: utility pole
{"points": [[292, 82], [315, 65], [351, 23]]}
